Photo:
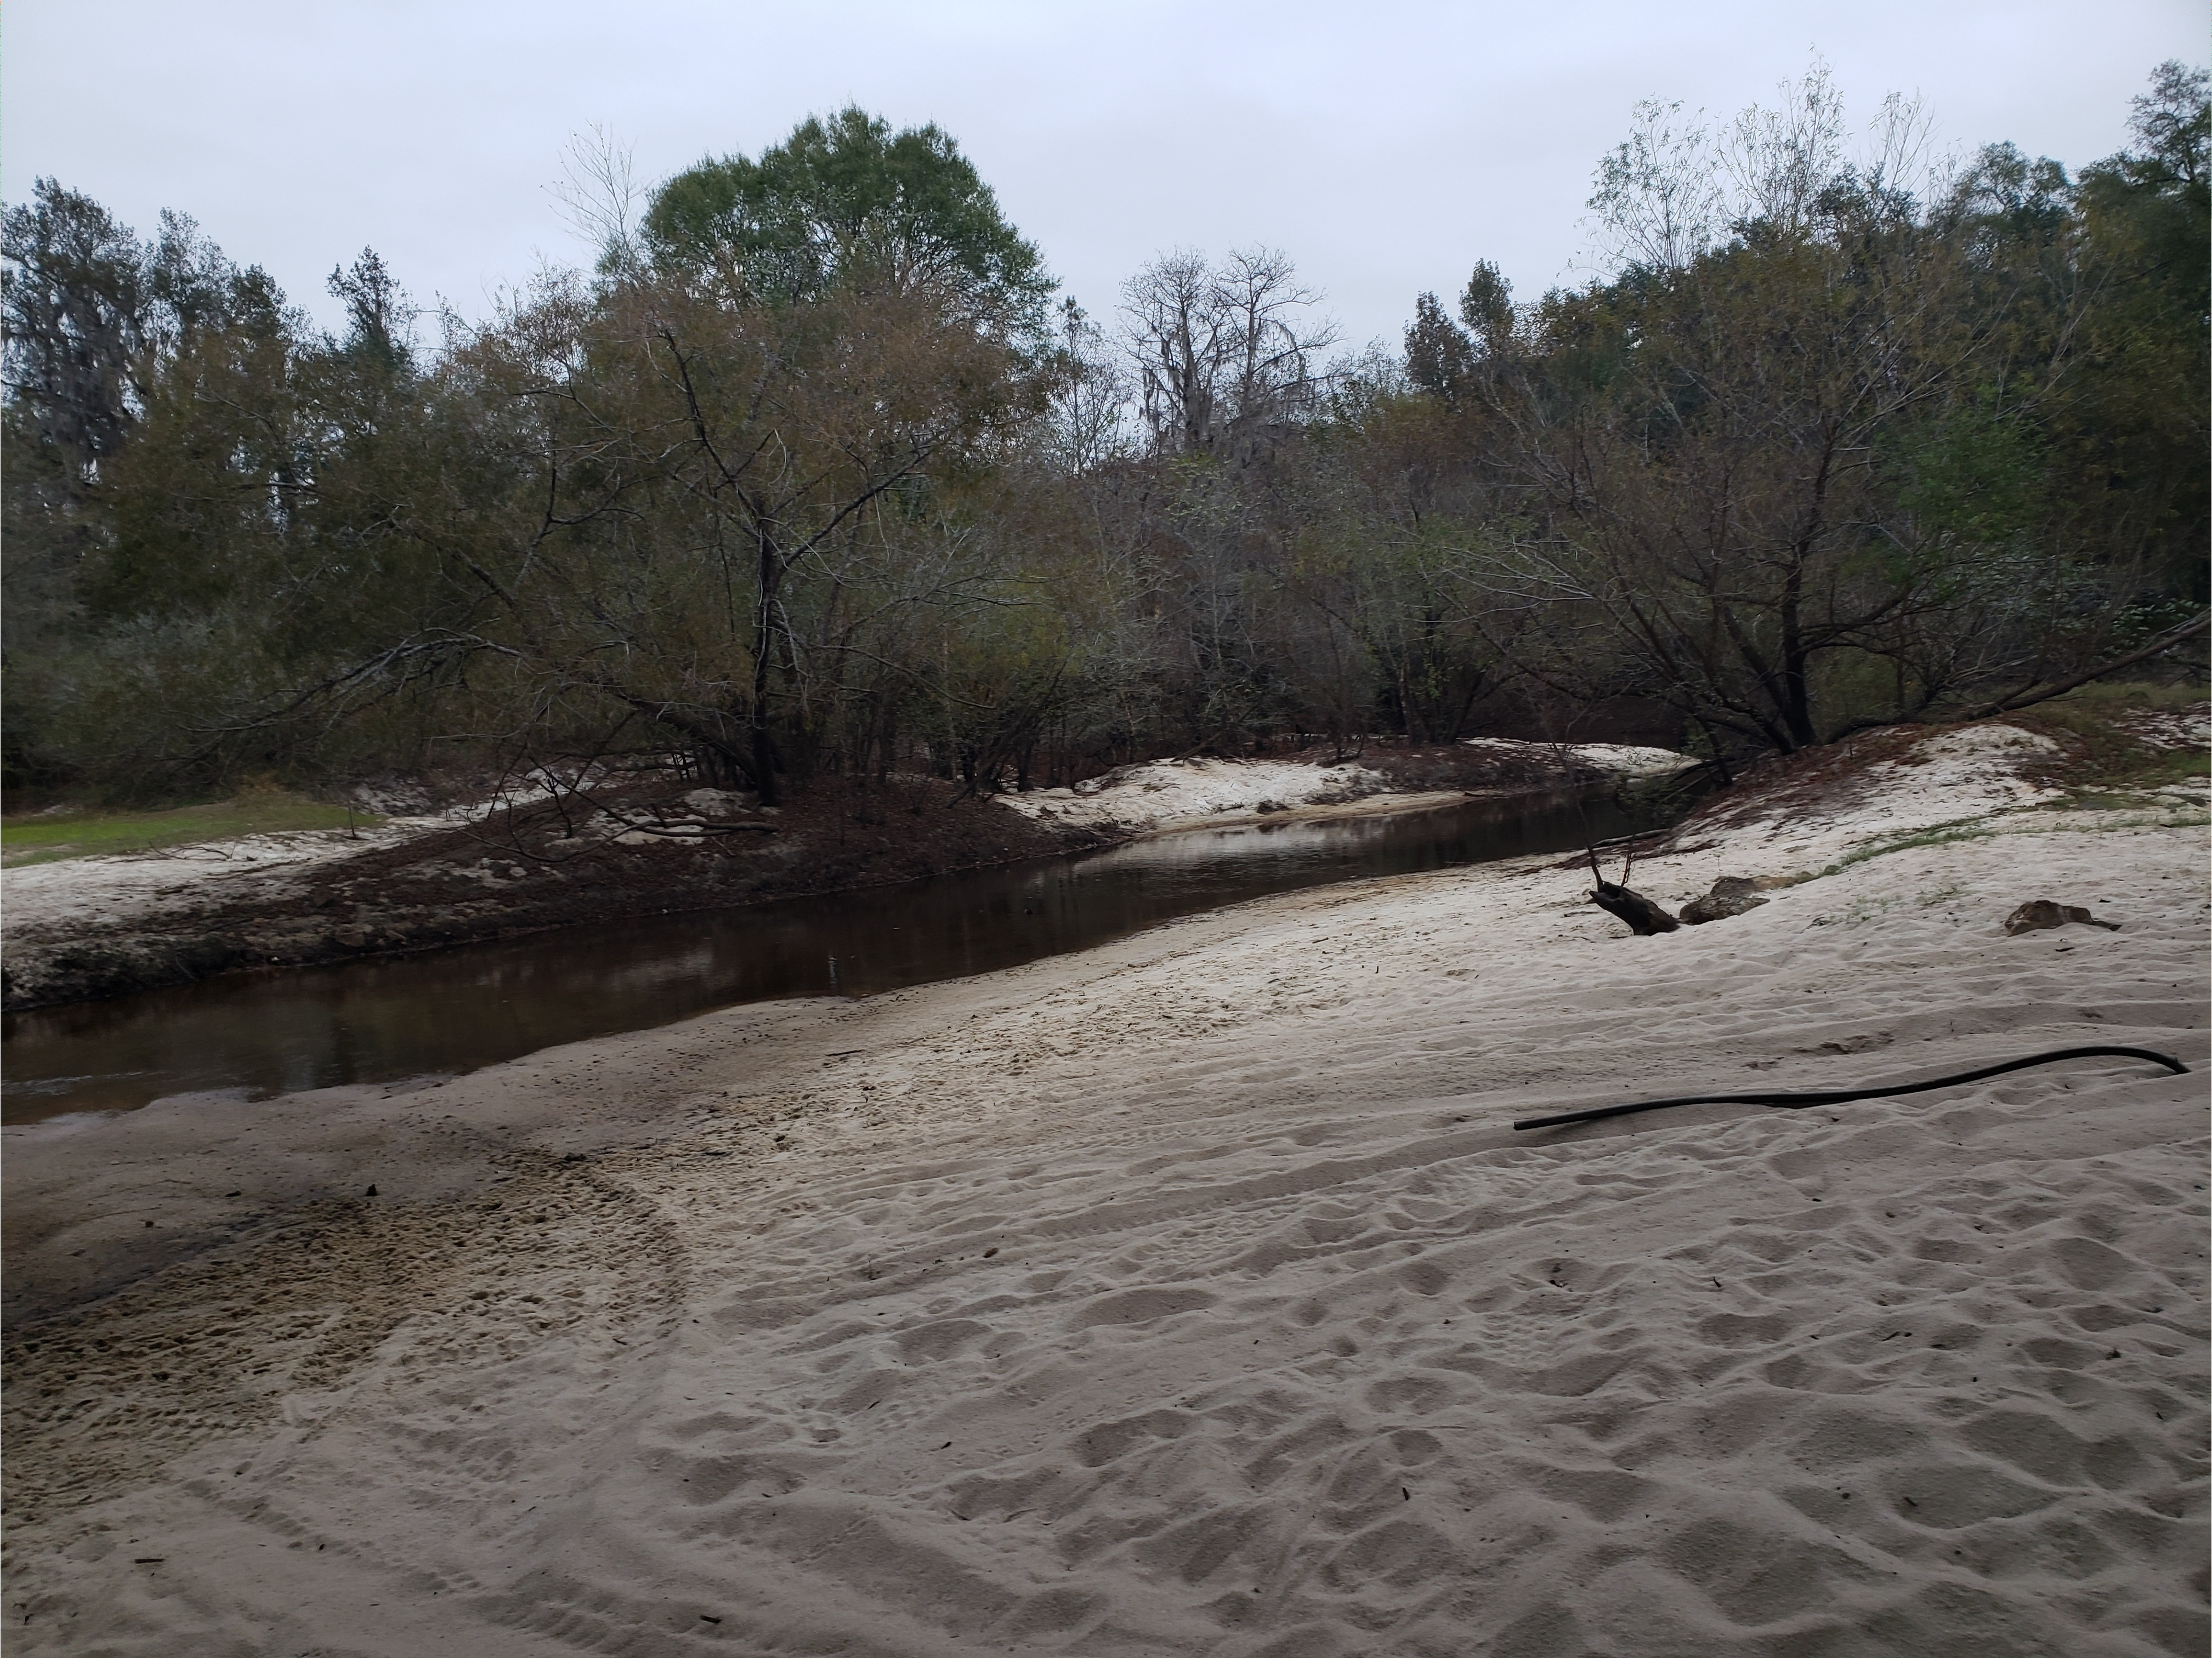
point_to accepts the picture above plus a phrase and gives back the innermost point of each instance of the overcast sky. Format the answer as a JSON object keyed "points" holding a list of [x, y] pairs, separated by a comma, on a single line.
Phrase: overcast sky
{"points": [[1385, 144]]}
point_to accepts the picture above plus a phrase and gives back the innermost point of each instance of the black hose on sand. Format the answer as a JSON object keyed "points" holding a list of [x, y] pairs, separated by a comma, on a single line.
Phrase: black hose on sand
{"points": [[1799, 1101]]}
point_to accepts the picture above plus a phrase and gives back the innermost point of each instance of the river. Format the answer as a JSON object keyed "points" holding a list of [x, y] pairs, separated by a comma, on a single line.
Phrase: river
{"points": [[450, 1011]]}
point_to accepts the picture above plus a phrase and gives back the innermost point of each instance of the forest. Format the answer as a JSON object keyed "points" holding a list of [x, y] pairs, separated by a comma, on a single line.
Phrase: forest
{"points": [[814, 472]]}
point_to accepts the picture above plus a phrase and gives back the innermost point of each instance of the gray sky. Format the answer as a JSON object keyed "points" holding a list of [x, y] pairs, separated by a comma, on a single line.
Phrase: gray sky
{"points": [[1386, 146]]}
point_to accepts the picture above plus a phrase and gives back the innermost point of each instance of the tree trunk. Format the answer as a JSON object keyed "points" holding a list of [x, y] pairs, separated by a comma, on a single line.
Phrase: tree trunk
{"points": [[763, 652]]}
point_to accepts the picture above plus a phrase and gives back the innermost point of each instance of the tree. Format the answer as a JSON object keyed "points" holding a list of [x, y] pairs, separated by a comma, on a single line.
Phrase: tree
{"points": [[1485, 306], [1658, 201], [1675, 188], [1438, 354], [799, 477], [1222, 354], [1087, 416], [1441, 355], [726, 518], [148, 456], [600, 199], [1793, 482], [848, 205], [728, 509], [1784, 160], [1725, 508], [74, 307], [2136, 433], [380, 320]]}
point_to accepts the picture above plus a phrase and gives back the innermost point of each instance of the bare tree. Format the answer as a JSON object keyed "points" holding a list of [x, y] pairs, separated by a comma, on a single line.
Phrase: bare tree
{"points": [[1087, 415], [1222, 354], [1675, 187], [599, 197], [1901, 157], [1783, 160], [1658, 199], [1173, 340]]}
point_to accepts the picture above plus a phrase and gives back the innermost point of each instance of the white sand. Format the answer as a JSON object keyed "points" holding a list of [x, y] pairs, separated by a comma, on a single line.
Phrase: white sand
{"points": [[1162, 795], [1192, 1296], [40, 900]]}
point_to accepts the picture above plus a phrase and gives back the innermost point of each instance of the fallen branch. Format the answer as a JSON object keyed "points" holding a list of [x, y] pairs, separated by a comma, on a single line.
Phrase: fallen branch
{"points": [[2165, 641]]}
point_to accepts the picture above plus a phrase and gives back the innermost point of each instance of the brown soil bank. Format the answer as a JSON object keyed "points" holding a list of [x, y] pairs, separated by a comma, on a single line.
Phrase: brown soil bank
{"points": [[643, 849]]}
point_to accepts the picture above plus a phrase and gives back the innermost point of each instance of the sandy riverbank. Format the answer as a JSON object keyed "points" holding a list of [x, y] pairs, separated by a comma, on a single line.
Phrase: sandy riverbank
{"points": [[1166, 796], [1194, 1295]]}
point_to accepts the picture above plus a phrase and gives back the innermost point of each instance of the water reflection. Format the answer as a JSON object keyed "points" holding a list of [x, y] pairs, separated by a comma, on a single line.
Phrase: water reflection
{"points": [[457, 1009]]}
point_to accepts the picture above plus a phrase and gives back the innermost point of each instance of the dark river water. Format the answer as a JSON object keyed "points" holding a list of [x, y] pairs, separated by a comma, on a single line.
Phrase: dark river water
{"points": [[454, 1010]]}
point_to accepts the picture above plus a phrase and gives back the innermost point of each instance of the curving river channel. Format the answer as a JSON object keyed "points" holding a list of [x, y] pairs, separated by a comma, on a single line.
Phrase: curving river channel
{"points": [[454, 1010]]}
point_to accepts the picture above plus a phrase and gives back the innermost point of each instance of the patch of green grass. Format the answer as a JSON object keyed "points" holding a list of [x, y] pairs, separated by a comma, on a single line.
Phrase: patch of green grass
{"points": [[2099, 800], [2103, 701], [2111, 766], [2157, 768], [1942, 834], [48, 836], [1939, 834]]}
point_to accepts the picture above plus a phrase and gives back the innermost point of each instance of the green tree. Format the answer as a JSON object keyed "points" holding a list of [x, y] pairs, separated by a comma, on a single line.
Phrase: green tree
{"points": [[1863, 458], [723, 518], [1438, 354], [74, 308], [848, 205], [2134, 439]]}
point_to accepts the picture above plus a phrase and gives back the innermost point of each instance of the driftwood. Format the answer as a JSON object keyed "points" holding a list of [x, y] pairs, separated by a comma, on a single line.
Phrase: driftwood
{"points": [[1642, 916]]}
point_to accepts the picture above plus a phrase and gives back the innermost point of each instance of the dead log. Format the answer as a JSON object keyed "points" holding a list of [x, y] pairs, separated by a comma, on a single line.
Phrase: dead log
{"points": [[1643, 917]]}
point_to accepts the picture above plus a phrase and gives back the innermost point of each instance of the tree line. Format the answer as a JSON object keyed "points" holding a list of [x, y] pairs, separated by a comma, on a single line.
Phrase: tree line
{"points": [[812, 473]]}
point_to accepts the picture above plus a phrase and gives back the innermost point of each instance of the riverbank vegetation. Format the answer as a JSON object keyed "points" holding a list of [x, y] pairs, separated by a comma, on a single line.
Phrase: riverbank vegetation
{"points": [[65, 832], [813, 475]]}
